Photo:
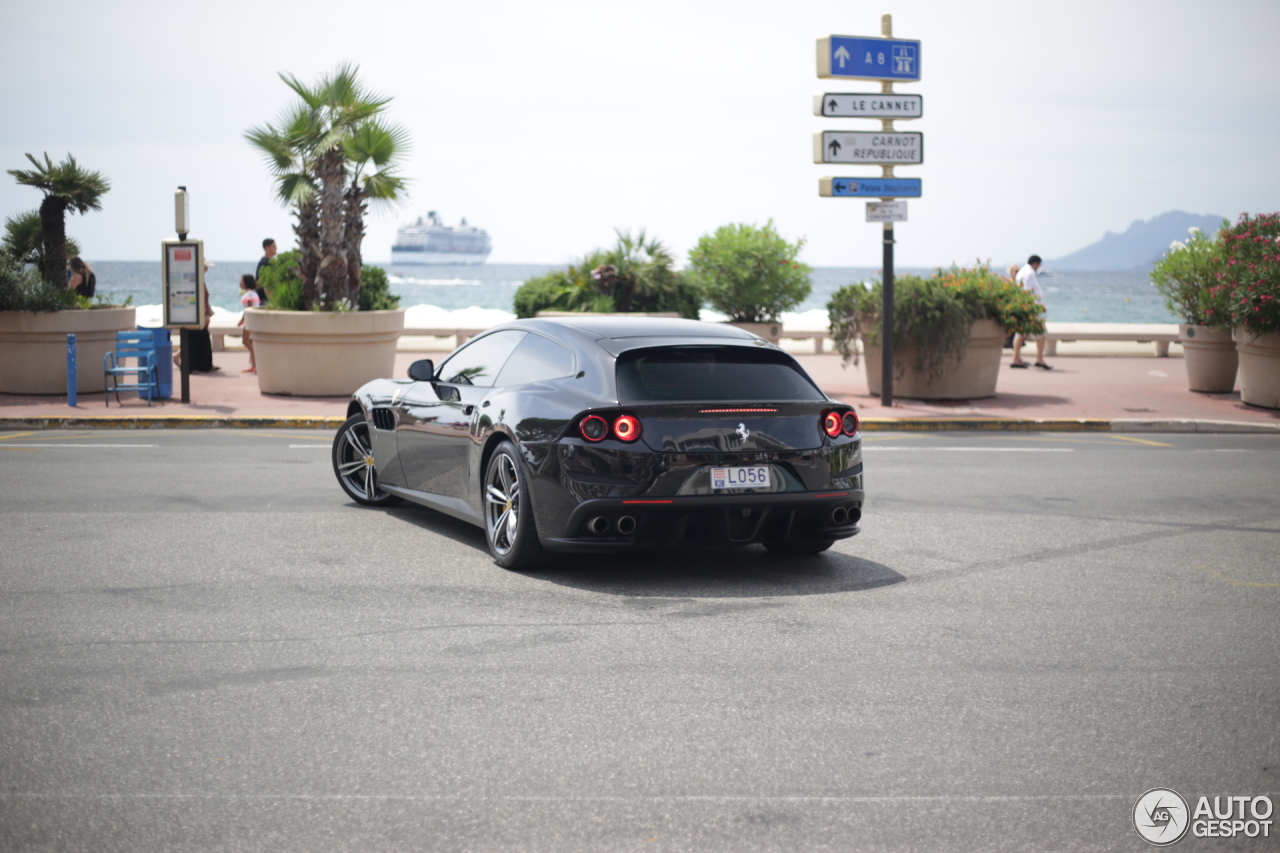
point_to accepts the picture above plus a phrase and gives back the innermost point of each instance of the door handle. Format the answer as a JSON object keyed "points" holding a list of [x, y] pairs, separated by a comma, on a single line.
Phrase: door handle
{"points": [[468, 410]]}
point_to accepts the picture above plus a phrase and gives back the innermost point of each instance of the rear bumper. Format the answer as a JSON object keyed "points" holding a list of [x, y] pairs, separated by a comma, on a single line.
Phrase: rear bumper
{"points": [[709, 521]]}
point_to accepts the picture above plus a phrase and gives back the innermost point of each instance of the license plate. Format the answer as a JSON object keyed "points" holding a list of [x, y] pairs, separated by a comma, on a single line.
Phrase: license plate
{"points": [[740, 477]]}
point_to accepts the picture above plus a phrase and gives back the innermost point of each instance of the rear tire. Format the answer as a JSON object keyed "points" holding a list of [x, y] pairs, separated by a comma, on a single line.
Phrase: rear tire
{"points": [[509, 527], [354, 466], [798, 549]]}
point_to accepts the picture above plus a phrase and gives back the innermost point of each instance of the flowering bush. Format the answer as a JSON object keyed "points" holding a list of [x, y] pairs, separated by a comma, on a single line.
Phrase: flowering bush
{"points": [[1248, 272], [934, 315], [1185, 278]]}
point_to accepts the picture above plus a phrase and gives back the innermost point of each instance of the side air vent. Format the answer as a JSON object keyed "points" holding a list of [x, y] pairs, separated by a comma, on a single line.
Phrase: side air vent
{"points": [[384, 419]]}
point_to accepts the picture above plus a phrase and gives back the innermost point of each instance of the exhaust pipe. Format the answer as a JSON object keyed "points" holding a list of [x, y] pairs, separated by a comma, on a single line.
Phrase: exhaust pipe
{"points": [[626, 525], [598, 525], [839, 516]]}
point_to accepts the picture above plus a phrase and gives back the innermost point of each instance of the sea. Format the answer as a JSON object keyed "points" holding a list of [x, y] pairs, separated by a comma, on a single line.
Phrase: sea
{"points": [[1070, 296]]}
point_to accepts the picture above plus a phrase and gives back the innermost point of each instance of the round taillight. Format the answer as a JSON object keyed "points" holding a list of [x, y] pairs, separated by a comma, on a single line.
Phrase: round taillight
{"points": [[594, 428], [831, 424], [849, 423], [626, 428]]}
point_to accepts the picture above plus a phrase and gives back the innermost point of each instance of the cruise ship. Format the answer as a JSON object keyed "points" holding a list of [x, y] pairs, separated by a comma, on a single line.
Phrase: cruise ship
{"points": [[430, 241]]}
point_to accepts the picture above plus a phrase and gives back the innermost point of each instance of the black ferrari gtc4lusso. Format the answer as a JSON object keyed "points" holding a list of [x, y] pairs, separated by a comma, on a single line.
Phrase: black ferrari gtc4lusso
{"points": [[602, 434]]}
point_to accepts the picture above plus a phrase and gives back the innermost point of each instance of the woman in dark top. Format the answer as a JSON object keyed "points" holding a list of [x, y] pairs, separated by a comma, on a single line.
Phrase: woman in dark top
{"points": [[82, 280]]}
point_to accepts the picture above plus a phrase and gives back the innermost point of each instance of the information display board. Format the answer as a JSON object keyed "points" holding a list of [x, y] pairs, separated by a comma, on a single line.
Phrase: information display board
{"points": [[183, 287]]}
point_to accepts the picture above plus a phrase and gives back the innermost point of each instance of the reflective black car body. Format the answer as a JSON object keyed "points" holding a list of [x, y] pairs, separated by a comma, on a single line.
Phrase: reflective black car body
{"points": [[531, 386]]}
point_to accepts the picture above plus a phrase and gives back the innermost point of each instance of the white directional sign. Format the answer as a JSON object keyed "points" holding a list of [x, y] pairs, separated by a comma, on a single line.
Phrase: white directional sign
{"points": [[888, 148], [867, 105], [886, 211]]}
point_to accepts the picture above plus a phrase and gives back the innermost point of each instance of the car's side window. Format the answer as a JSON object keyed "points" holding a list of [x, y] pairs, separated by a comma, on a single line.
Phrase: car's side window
{"points": [[537, 359], [480, 362]]}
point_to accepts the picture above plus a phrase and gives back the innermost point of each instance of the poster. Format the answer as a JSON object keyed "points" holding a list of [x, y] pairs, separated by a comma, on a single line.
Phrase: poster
{"points": [[182, 286]]}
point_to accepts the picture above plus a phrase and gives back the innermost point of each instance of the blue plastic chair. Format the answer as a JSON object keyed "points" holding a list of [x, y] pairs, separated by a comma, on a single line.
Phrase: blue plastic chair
{"points": [[140, 347]]}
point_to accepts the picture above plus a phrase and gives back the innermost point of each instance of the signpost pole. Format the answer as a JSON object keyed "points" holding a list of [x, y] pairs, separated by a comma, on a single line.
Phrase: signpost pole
{"points": [[886, 312], [886, 323], [185, 363], [182, 216]]}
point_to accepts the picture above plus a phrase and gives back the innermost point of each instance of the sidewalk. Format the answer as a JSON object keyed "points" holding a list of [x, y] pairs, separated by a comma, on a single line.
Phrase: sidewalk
{"points": [[1114, 392]]}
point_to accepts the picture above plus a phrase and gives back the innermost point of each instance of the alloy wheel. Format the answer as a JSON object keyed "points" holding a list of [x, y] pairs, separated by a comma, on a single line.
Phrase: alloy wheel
{"points": [[502, 503]]}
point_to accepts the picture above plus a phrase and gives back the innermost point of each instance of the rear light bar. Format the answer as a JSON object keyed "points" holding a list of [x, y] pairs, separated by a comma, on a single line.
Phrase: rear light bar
{"points": [[718, 411], [596, 428], [837, 422]]}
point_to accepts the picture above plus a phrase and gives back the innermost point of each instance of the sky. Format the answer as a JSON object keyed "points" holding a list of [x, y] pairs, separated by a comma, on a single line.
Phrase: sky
{"points": [[551, 124]]}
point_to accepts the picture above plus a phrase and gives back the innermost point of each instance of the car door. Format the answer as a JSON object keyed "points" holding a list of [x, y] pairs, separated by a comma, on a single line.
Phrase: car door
{"points": [[433, 430]]}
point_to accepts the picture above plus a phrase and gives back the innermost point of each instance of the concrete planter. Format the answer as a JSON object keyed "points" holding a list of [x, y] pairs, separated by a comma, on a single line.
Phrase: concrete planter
{"points": [[1259, 368], [322, 354], [33, 348], [1210, 358], [969, 378], [769, 331]]}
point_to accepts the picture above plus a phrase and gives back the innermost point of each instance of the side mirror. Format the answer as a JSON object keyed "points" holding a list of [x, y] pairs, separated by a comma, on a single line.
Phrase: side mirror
{"points": [[423, 370]]}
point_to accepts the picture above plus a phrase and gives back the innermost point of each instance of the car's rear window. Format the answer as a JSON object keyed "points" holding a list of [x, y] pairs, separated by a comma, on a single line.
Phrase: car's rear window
{"points": [[711, 373]]}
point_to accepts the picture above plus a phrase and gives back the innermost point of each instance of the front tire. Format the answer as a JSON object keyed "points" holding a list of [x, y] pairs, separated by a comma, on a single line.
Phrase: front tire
{"points": [[354, 465], [508, 513]]}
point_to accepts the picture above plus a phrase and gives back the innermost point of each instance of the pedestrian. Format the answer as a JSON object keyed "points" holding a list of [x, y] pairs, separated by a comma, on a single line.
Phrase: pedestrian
{"points": [[248, 299], [81, 280], [1027, 278], [268, 252]]}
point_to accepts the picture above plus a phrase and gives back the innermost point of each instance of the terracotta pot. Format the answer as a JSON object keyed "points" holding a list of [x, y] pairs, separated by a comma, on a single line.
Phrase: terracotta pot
{"points": [[322, 354], [969, 378], [769, 331], [33, 348], [1210, 358], [1259, 368]]}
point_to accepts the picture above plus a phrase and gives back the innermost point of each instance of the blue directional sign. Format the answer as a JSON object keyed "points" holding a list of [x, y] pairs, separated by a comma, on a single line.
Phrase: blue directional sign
{"points": [[869, 187], [861, 58]]}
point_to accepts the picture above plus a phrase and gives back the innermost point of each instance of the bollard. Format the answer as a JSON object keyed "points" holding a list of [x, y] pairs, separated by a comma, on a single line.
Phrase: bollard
{"points": [[71, 370]]}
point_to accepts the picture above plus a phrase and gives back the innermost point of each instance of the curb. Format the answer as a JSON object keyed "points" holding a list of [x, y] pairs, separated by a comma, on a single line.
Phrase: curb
{"points": [[1119, 425], [176, 422]]}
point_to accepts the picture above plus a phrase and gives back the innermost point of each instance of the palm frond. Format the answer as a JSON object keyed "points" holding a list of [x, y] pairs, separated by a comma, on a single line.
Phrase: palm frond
{"points": [[384, 186]]}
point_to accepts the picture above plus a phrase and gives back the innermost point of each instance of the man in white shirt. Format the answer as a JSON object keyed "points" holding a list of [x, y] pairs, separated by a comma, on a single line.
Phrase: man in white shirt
{"points": [[1029, 281]]}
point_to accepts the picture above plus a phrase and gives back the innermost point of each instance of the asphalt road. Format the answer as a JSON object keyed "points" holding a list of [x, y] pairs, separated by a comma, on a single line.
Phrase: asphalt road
{"points": [[205, 646]]}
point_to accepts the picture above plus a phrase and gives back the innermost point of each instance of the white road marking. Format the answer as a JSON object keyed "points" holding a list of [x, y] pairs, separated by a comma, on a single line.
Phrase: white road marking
{"points": [[56, 446], [319, 446], [978, 449]]}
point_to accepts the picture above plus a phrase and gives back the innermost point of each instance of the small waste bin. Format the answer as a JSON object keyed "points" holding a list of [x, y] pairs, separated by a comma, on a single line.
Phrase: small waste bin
{"points": [[164, 362]]}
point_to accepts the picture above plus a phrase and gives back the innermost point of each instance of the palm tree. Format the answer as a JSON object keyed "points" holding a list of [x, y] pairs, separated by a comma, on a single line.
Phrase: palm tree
{"points": [[374, 151], [339, 105], [22, 241], [66, 186]]}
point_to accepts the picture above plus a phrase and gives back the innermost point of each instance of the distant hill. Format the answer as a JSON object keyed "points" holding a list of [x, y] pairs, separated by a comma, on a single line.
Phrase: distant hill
{"points": [[1139, 246]]}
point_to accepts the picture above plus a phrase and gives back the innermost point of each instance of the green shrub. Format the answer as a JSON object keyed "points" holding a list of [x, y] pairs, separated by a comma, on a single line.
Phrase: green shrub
{"points": [[749, 273], [934, 315], [281, 282], [645, 281], [23, 290], [1185, 278], [375, 290]]}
